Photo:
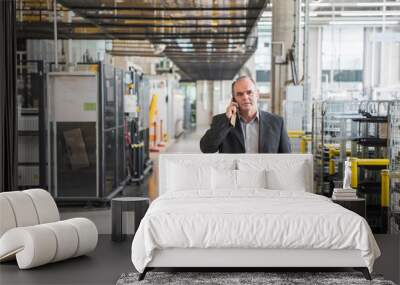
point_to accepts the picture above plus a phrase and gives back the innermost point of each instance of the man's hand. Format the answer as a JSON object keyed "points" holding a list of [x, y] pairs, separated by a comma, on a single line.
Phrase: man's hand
{"points": [[231, 109]]}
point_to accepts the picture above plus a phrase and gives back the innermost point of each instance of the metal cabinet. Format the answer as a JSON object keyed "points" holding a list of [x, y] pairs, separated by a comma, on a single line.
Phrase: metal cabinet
{"points": [[86, 134]]}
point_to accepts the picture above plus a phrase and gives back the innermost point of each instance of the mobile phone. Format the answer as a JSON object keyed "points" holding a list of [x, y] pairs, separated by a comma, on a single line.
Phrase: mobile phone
{"points": [[233, 117]]}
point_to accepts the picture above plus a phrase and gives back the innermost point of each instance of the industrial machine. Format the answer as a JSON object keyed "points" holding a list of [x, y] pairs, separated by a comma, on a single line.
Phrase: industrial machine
{"points": [[166, 111], [86, 143], [31, 92], [136, 99]]}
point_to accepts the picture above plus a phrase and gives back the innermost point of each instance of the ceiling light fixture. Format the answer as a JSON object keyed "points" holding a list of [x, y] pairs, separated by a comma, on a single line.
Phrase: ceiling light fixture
{"points": [[371, 23], [378, 4], [369, 13]]}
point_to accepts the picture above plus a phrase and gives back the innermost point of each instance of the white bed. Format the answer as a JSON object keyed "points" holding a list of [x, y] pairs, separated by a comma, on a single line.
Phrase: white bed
{"points": [[245, 210]]}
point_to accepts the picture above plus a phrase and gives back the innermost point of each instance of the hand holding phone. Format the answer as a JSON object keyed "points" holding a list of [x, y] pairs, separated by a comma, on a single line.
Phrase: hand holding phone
{"points": [[231, 112]]}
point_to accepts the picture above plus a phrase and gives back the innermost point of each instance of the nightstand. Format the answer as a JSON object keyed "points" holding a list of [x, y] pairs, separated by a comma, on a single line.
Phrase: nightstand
{"points": [[121, 204], [357, 205]]}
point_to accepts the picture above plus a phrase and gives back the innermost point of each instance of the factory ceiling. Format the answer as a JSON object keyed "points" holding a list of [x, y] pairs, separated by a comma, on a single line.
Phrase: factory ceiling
{"points": [[207, 40]]}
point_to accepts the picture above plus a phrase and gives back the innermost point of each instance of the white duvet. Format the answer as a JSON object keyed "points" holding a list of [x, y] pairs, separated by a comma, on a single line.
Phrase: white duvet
{"points": [[253, 218]]}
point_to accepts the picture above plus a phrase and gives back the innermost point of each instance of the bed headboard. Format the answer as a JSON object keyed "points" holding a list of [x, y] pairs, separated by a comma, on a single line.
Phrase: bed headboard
{"points": [[231, 160]]}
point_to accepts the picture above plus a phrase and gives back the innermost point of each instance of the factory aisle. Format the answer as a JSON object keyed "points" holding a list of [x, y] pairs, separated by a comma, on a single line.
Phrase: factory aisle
{"points": [[188, 143]]}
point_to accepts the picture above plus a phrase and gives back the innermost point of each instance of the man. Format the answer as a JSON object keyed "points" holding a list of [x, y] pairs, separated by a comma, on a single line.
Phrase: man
{"points": [[253, 131]]}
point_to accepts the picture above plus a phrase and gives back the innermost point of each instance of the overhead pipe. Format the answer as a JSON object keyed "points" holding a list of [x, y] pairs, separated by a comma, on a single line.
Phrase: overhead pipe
{"points": [[55, 34], [306, 87]]}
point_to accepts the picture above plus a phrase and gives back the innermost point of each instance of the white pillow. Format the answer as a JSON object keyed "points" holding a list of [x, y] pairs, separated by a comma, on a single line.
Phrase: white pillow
{"points": [[292, 178], [251, 178], [224, 179], [182, 178]]}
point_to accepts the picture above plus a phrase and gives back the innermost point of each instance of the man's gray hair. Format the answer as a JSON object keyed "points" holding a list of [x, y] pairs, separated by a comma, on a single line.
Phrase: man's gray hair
{"points": [[240, 78]]}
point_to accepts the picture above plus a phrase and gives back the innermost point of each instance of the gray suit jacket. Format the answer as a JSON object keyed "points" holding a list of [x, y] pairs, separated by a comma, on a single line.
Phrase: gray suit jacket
{"points": [[224, 138]]}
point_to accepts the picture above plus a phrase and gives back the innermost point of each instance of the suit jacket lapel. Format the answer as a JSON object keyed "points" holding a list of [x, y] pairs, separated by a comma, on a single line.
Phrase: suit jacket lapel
{"points": [[265, 133], [237, 131]]}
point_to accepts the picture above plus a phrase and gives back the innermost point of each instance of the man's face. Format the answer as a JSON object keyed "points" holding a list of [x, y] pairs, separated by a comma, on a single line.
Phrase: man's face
{"points": [[246, 94]]}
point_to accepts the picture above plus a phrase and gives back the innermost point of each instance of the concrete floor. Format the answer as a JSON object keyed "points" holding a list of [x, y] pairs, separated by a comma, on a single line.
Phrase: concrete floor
{"points": [[102, 266], [111, 259], [388, 264]]}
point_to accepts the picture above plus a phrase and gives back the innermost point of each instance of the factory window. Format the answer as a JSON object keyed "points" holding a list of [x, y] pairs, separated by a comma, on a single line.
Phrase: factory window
{"points": [[348, 76], [342, 75], [262, 75]]}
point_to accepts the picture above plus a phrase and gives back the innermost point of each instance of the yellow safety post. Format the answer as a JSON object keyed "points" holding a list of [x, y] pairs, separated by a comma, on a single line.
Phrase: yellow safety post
{"points": [[333, 151], [153, 108], [385, 188], [331, 154], [303, 146], [304, 143], [153, 123], [295, 134], [357, 162], [331, 169], [372, 162], [354, 172]]}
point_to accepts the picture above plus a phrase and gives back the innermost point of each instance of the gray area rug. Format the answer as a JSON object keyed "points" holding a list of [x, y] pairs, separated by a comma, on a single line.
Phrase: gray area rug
{"points": [[228, 278]]}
